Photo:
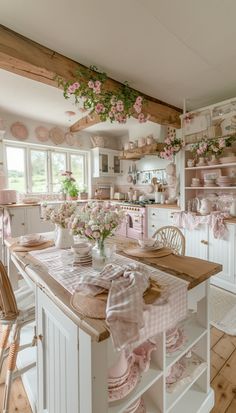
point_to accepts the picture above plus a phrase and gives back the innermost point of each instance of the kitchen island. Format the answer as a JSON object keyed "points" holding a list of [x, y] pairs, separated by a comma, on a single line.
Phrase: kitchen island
{"points": [[74, 352]]}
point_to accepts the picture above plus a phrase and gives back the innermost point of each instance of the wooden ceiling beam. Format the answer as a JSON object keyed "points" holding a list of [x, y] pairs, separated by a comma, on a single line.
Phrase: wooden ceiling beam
{"points": [[27, 58]]}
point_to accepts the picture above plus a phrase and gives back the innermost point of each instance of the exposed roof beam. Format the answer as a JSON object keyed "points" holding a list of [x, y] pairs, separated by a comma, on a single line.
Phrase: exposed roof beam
{"points": [[27, 58]]}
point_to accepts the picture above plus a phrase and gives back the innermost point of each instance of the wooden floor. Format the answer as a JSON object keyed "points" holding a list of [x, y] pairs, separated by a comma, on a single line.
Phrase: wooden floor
{"points": [[223, 377]]}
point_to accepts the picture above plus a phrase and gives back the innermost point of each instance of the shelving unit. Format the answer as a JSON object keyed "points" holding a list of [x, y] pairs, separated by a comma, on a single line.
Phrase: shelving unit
{"points": [[152, 386]]}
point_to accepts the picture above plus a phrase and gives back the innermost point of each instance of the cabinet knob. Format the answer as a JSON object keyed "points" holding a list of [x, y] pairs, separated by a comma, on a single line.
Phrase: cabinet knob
{"points": [[153, 226], [204, 242], [23, 224], [153, 213]]}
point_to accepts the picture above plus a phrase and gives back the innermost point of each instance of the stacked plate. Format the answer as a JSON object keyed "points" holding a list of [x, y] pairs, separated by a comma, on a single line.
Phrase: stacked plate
{"points": [[137, 407], [175, 339], [84, 260], [82, 254], [119, 387], [32, 240], [224, 180]]}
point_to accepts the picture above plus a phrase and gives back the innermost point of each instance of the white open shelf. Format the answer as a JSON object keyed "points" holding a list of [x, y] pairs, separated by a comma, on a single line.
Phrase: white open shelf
{"points": [[194, 373], [150, 405], [191, 401], [147, 380], [210, 187], [219, 165], [194, 332]]}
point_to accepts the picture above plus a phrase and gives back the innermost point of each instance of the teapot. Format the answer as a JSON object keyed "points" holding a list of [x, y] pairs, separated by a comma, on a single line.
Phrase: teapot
{"points": [[204, 206], [232, 209]]}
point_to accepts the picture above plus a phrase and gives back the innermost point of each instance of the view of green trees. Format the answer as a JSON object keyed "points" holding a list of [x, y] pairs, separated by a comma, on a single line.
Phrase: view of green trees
{"points": [[39, 169]]}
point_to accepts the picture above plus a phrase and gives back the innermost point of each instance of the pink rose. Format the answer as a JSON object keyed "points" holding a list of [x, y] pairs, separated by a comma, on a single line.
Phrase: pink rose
{"points": [[91, 84], [139, 100], [141, 118], [99, 108], [168, 141], [137, 108]]}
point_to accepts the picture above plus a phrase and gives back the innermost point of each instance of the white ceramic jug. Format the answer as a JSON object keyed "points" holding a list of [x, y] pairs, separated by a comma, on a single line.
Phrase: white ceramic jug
{"points": [[204, 206], [232, 209]]}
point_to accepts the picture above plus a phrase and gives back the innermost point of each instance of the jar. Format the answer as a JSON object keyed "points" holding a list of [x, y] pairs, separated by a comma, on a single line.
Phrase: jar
{"points": [[101, 255]]}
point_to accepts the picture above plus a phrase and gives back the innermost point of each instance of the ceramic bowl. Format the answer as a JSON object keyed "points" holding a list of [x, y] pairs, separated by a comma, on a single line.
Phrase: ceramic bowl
{"points": [[146, 243], [81, 248], [26, 239]]}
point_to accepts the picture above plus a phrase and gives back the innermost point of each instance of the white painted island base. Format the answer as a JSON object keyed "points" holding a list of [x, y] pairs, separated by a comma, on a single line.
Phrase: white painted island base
{"points": [[72, 367]]}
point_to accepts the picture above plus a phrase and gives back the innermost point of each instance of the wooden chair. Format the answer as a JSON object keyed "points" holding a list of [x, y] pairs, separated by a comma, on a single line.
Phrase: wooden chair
{"points": [[171, 237], [16, 310]]}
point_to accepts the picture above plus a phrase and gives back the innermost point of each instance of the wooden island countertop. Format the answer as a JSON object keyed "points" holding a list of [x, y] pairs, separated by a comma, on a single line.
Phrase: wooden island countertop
{"points": [[192, 270]]}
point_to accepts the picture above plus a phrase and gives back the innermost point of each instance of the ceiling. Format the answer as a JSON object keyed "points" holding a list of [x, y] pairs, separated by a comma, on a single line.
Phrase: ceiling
{"points": [[165, 48]]}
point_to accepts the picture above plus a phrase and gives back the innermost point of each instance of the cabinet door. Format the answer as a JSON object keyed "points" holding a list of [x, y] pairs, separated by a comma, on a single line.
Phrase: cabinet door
{"points": [[104, 163], [222, 251], [57, 359], [18, 221], [35, 222], [196, 242], [115, 164], [157, 218]]}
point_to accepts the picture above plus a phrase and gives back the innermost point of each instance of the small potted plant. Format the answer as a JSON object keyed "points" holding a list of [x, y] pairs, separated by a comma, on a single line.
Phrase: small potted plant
{"points": [[73, 192], [83, 193]]}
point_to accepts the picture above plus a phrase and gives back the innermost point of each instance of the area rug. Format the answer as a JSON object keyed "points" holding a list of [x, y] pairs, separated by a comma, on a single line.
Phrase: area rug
{"points": [[223, 310]]}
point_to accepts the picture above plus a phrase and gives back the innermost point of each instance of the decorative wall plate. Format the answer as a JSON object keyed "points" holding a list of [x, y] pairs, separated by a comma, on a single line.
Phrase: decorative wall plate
{"points": [[70, 138], [57, 135], [42, 133], [19, 130]]}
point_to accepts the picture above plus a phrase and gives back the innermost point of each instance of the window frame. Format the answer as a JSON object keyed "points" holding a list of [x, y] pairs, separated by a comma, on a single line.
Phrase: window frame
{"points": [[49, 150]]}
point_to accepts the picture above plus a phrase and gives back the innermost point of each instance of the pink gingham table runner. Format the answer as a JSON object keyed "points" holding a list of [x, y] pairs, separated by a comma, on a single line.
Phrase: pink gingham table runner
{"points": [[166, 313]]}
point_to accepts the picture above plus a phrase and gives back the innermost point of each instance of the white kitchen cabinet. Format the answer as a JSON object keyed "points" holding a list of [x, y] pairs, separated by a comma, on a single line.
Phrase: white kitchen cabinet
{"points": [[34, 222], [196, 242], [106, 162], [57, 359], [157, 218], [223, 251], [200, 243]]}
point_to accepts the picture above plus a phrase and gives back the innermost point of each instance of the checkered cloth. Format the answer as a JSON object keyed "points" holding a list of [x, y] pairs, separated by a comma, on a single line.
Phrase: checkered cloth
{"points": [[167, 311]]}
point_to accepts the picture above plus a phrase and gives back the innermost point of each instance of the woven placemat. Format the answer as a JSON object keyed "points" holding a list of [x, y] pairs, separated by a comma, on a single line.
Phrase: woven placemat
{"points": [[20, 248], [139, 252], [95, 307]]}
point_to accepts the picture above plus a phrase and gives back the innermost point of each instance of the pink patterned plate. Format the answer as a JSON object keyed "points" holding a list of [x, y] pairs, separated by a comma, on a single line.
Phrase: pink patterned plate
{"points": [[179, 343], [123, 390], [137, 407]]}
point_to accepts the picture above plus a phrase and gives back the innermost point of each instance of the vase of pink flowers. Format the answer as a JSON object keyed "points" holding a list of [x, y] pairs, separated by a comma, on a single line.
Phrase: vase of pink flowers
{"points": [[60, 217], [97, 221]]}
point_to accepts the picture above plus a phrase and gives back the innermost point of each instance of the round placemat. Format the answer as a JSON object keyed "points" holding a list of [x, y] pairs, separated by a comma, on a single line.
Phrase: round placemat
{"points": [[42, 133], [70, 138], [57, 135], [89, 306], [19, 130], [141, 253]]}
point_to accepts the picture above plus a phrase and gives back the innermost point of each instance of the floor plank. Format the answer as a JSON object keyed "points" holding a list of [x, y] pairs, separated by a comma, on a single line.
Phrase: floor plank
{"points": [[232, 406], [224, 347], [224, 394]]}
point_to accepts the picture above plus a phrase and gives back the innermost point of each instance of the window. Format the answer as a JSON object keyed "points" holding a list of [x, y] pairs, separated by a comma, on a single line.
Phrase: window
{"points": [[77, 168], [39, 173], [58, 164], [15, 160], [37, 169]]}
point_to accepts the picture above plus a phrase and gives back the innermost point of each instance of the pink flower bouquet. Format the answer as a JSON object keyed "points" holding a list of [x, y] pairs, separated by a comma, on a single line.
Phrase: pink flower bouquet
{"points": [[96, 221], [59, 216]]}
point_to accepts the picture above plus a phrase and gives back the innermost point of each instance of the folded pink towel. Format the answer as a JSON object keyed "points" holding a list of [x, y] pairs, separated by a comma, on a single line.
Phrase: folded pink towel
{"points": [[124, 312]]}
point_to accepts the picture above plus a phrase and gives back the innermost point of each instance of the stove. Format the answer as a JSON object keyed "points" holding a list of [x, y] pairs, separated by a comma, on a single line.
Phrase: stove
{"points": [[134, 224], [139, 203]]}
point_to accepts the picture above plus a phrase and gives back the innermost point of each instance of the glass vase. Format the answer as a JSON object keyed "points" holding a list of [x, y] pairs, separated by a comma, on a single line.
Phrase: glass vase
{"points": [[63, 238], [100, 255]]}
